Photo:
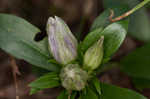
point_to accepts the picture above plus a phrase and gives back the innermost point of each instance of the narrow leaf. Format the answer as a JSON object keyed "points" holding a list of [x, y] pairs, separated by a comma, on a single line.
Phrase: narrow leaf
{"points": [[49, 80], [97, 86]]}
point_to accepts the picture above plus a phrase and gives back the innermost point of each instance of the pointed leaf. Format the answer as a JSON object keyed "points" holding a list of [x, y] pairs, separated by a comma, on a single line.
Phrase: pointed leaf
{"points": [[97, 86], [49, 80]]}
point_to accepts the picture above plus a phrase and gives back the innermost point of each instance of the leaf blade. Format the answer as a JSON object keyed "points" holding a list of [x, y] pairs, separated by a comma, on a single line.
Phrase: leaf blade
{"points": [[17, 39], [49, 80], [136, 64], [113, 92]]}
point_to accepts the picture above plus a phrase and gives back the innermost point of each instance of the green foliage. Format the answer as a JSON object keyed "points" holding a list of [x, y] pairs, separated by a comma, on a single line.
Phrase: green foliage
{"points": [[113, 92], [49, 80], [137, 63], [139, 21], [114, 32], [110, 92], [17, 38], [103, 19], [97, 86], [91, 38]]}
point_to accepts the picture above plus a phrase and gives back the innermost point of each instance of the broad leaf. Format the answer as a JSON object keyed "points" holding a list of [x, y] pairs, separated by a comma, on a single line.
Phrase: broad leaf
{"points": [[17, 38], [113, 92], [114, 34], [137, 63], [139, 21], [49, 80]]}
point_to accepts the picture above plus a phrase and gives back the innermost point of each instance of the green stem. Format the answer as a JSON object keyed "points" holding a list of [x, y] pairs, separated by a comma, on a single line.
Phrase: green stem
{"points": [[140, 5], [129, 12]]}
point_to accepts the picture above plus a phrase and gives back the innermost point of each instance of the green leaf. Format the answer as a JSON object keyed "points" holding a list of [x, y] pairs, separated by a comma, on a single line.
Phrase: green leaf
{"points": [[103, 19], [17, 39], [141, 83], [88, 94], [137, 63], [91, 38], [114, 32], [113, 92], [63, 95], [49, 80], [97, 86], [139, 21]]}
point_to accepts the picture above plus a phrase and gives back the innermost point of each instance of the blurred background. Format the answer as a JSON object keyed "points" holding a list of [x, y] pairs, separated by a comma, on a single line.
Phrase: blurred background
{"points": [[79, 15]]}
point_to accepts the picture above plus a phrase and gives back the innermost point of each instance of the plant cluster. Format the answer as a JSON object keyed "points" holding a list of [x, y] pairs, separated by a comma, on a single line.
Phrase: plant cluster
{"points": [[72, 64]]}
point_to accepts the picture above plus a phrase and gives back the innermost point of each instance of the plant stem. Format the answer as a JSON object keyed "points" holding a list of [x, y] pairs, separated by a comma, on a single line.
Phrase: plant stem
{"points": [[127, 13], [15, 71]]}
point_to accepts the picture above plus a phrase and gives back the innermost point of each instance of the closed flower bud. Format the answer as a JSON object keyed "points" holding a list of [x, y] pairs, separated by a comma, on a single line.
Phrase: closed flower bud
{"points": [[63, 45], [73, 77], [94, 55]]}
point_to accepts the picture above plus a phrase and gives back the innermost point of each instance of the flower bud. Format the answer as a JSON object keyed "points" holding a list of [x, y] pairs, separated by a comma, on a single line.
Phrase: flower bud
{"points": [[63, 45], [73, 77], [94, 55]]}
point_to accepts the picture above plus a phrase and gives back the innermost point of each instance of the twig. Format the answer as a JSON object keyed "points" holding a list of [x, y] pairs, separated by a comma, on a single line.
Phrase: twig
{"points": [[127, 13], [15, 72], [118, 18]]}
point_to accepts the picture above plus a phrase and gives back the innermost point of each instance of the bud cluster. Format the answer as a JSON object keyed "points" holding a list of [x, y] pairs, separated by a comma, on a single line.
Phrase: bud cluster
{"points": [[63, 46]]}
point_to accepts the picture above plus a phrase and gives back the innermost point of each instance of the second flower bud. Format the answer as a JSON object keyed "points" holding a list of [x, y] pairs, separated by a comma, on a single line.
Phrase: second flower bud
{"points": [[94, 55]]}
